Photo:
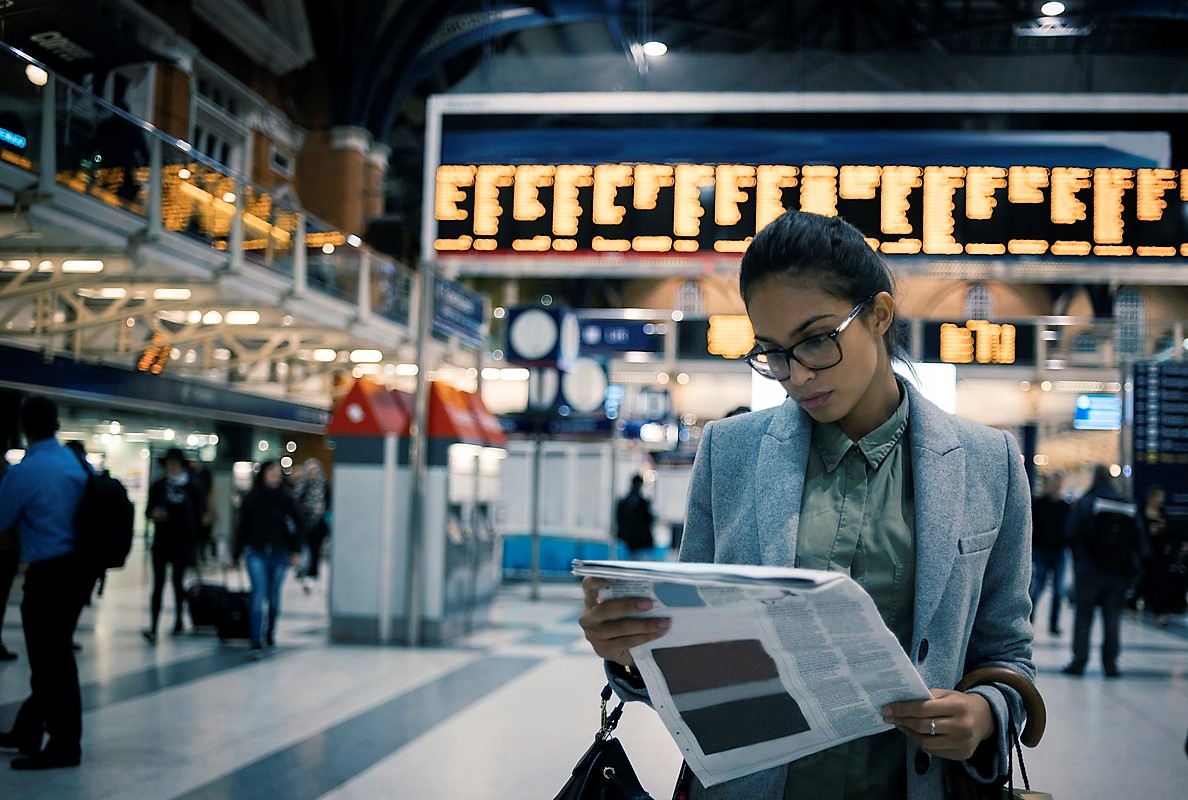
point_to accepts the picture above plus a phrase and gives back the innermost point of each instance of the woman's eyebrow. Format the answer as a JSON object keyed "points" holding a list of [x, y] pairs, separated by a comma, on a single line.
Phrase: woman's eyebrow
{"points": [[806, 324]]}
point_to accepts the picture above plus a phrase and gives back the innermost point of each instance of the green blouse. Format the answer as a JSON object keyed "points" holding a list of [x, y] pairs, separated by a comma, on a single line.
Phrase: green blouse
{"points": [[858, 517]]}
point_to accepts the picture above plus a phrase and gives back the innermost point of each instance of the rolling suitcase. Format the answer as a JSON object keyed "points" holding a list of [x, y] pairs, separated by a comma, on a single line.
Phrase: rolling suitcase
{"points": [[204, 601], [234, 622], [215, 605]]}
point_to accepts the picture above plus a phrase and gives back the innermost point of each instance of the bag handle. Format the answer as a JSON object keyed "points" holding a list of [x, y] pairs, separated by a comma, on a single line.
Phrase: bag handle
{"points": [[609, 721], [1033, 702]]}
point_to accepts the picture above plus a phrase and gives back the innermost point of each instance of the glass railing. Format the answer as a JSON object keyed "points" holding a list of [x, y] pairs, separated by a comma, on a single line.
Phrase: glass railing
{"points": [[104, 152]]}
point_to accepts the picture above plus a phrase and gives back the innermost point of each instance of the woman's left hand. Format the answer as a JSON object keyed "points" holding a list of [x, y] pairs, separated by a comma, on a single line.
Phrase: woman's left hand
{"points": [[951, 725]]}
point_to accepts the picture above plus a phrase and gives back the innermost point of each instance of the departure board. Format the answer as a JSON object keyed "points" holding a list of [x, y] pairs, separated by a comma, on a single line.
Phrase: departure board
{"points": [[1161, 412], [948, 211]]}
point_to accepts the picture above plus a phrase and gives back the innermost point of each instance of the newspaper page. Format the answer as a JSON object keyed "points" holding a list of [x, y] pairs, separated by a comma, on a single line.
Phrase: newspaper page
{"points": [[762, 665]]}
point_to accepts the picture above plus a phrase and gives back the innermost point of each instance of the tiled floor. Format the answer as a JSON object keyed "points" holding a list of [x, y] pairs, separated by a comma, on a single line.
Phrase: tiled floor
{"points": [[501, 715]]}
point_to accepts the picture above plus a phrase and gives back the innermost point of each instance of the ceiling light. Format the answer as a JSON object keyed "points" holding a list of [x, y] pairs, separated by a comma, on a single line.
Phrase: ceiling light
{"points": [[325, 354], [327, 248], [36, 75], [406, 370], [184, 173], [76, 265], [354, 241], [212, 318], [655, 49], [228, 197], [171, 294], [366, 356], [242, 318], [1052, 9], [104, 293]]}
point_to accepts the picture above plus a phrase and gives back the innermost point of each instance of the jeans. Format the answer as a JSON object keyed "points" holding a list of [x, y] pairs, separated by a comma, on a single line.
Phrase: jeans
{"points": [[266, 571], [1043, 564]]}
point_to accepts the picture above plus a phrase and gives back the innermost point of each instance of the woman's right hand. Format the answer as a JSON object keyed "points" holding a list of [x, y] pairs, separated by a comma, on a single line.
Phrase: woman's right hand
{"points": [[610, 629]]}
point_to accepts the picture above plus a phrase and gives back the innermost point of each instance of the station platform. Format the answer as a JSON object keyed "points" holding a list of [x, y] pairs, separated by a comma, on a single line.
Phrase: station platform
{"points": [[503, 713]]}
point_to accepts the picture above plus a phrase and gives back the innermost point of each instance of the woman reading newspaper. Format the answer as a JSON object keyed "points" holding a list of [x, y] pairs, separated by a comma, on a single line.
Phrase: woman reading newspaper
{"points": [[859, 473]]}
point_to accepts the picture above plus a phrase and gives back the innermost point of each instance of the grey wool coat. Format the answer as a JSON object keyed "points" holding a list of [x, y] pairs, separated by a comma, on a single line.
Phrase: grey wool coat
{"points": [[973, 554]]}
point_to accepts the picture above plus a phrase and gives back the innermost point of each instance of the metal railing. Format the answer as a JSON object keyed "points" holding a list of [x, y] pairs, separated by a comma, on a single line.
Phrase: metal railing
{"points": [[63, 135]]}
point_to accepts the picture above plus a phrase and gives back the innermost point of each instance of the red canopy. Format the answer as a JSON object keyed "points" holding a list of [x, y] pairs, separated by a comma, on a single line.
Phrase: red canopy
{"points": [[371, 410]]}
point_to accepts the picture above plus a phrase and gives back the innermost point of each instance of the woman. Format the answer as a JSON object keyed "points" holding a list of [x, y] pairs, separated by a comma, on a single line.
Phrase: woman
{"points": [[860, 474], [313, 496], [177, 506], [269, 539], [1164, 568]]}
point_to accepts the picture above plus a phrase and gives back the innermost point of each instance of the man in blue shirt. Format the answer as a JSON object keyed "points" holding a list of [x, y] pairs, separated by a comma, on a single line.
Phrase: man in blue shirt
{"points": [[40, 495]]}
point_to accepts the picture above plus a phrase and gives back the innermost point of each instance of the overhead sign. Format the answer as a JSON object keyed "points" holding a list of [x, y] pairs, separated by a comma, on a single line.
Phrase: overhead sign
{"points": [[619, 208], [621, 336], [979, 341], [458, 312]]}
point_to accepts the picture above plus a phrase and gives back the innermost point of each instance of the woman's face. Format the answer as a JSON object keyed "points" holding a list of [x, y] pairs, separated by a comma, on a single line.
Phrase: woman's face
{"points": [[859, 393], [273, 476]]}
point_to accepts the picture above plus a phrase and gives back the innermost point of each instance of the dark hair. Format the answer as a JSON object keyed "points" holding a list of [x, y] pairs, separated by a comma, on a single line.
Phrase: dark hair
{"points": [[827, 250], [39, 418], [258, 481]]}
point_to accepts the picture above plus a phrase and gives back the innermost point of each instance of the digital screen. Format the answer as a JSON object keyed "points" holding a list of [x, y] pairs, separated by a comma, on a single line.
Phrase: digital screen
{"points": [[654, 208], [979, 341], [1098, 412]]}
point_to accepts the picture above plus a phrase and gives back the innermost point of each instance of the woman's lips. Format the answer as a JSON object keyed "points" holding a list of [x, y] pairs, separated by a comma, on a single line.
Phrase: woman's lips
{"points": [[815, 400]]}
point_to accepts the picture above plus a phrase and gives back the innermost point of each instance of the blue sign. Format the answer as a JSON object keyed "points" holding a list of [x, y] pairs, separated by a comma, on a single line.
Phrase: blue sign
{"points": [[12, 138], [621, 336], [1098, 412], [459, 312], [26, 369]]}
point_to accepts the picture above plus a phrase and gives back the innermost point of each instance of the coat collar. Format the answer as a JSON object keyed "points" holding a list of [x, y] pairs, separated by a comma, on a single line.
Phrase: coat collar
{"points": [[938, 470]]}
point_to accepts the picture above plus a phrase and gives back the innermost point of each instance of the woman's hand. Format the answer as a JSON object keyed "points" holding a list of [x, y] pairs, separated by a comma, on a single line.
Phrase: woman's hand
{"points": [[962, 721], [609, 630]]}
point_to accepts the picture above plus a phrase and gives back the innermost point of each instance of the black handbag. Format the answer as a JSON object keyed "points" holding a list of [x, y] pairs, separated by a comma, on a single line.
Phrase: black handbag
{"points": [[604, 772], [965, 787]]}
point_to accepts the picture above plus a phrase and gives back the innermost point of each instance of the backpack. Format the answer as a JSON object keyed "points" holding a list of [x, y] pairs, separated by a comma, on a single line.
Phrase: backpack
{"points": [[1112, 536], [103, 522]]}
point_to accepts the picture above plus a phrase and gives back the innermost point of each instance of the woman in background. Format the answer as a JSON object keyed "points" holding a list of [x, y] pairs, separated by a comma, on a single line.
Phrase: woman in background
{"points": [[268, 538], [313, 497]]}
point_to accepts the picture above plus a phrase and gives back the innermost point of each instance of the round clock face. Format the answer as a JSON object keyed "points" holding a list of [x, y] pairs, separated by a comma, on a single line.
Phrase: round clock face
{"points": [[584, 386], [532, 334]]}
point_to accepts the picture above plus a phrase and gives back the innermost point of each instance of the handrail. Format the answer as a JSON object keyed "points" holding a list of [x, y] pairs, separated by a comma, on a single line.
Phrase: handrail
{"points": [[368, 257]]}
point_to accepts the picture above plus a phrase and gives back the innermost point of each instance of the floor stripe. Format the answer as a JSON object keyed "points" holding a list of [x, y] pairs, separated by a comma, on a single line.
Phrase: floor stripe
{"points": [[314, 766], [96, 694]]}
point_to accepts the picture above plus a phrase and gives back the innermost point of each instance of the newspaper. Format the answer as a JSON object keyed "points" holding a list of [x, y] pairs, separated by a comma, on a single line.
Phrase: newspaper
{"points": [[762, 665]]}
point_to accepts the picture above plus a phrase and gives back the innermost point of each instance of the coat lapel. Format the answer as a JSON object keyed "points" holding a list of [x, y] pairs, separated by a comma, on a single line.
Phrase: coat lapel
{"points": [[779, 482], [938, 467]]}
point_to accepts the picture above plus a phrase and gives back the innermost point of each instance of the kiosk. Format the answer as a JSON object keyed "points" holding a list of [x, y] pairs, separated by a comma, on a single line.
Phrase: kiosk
{"points": [[369, 431]]}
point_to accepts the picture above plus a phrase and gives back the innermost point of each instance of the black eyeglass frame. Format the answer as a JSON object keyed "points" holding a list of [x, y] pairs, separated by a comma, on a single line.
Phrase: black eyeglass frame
{"points": [[789, 353]]}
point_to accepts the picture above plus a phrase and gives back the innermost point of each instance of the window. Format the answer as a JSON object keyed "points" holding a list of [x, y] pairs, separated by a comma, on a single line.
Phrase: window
{"points": [[1130, 322], [689, 299], [978, 302]]}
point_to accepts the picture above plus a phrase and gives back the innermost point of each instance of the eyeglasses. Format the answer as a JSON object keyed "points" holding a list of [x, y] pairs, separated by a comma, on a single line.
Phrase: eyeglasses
{"points": [[815, 352]]}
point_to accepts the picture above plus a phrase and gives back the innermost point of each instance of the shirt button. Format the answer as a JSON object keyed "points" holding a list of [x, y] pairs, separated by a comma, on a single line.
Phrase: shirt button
{"points": [[923, 760], [923, 652]]}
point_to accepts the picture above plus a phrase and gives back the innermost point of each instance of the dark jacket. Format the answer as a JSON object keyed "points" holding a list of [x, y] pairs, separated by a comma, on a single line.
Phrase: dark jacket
{"points": [[634, 518], [185, 506], [1078, 528], [268, 518]]}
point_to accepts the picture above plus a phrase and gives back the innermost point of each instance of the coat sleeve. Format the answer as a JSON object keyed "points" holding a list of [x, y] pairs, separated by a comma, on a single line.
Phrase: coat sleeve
{"points": [[1002, 632]]}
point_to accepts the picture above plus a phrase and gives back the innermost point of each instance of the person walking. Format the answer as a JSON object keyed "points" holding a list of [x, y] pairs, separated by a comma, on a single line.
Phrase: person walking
{"points": [[268, 538], [1103, 534], [177, 507], [857, 472], [313, 498], [1049, 511], [40, 496], [634, 518]]}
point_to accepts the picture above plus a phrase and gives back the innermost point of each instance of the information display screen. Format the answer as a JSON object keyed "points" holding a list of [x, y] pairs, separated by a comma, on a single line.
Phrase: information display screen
{"points": [[687, 208], [1161, 412]]}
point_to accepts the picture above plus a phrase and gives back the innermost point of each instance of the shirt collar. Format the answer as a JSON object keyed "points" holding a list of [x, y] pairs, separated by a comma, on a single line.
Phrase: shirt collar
{"points": [[832, 445], [43, 444]]}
